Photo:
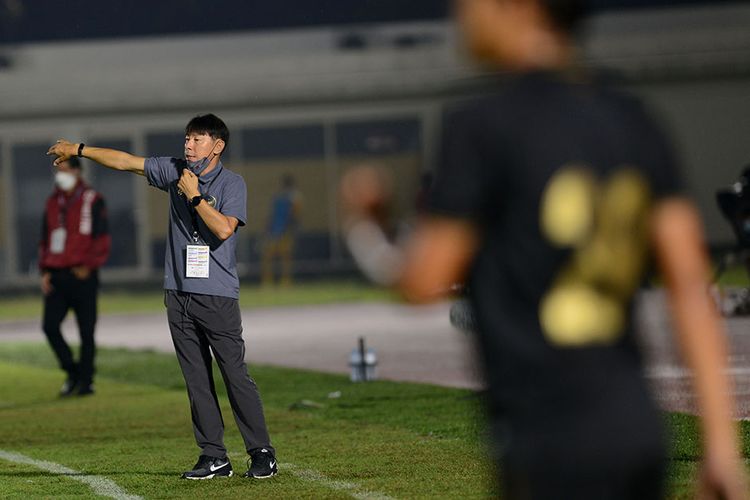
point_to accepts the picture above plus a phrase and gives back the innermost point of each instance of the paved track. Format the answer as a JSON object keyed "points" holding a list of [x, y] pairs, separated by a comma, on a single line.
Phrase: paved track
{"points": [[413, 344]]}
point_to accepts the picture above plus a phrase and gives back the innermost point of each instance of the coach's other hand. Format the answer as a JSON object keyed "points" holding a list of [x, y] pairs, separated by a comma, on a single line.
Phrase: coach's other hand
{"points": [[63, 150]]}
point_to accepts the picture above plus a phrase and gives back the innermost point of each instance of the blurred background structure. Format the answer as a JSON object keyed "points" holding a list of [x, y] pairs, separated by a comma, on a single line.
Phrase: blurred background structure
{"points": [[310, 88]]}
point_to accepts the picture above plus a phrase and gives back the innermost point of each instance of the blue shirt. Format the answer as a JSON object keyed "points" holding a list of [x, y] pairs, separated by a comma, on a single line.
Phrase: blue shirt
{"points": [[282, 214], [226, 191]]}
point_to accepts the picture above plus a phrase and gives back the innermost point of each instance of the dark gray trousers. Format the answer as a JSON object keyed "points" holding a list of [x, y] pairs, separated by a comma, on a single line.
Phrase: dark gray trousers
{"points": [[202, 325]]}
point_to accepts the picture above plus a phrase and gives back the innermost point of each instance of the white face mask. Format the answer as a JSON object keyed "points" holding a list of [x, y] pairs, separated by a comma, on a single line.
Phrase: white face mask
{"points": [[65, 180]]}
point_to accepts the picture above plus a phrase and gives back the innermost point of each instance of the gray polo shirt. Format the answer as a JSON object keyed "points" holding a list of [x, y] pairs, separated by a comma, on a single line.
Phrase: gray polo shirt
{"points": [[230, 194]]}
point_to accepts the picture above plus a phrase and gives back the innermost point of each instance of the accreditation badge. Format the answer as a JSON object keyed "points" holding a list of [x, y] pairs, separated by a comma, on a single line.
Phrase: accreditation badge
{"points": [[196, 261], [57, 240]]}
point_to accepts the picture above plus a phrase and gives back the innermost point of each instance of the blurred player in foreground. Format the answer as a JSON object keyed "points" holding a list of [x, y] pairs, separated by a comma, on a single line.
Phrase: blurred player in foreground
{"points": [[75, 244], [549, 198]]}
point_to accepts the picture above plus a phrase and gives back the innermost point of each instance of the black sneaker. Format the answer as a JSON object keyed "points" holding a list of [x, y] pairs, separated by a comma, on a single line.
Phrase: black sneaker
{"points": [[69, 387], [261, 465], [209, 468]]}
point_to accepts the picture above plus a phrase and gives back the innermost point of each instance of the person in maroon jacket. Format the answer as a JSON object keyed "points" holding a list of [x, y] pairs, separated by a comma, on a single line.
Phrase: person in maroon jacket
{"points": [[75, 244]]}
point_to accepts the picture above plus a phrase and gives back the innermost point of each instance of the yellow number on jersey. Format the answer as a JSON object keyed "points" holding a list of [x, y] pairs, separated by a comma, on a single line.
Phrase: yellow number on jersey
{"points": [[605, 224]]}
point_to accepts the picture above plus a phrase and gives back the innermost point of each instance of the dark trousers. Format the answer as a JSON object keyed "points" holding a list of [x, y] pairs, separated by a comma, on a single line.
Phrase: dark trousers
{"points": [[80, 295], [643, 480], [201, 325]]}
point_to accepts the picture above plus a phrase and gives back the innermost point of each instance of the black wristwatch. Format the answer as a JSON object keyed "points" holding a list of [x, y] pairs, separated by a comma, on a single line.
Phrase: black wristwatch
{"points": [[196, 200]]}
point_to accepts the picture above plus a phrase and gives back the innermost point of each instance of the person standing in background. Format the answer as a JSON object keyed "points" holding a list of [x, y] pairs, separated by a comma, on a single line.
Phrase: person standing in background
{"points": [[280, 232], [75, 243]]}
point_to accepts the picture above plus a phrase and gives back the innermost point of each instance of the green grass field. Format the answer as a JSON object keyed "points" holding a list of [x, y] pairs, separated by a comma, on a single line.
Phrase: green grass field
{"points": [[136, 431], [122, 302], [376, 440]]}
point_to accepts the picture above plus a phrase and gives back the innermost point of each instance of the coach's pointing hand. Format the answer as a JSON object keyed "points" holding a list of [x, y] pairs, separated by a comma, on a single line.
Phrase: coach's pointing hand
{"points": [[188, 184], [63, 150]]}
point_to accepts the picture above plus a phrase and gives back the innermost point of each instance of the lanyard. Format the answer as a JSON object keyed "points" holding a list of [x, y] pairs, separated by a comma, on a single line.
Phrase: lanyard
{"points": [[196, 231], [194, 213], [63, 205]]}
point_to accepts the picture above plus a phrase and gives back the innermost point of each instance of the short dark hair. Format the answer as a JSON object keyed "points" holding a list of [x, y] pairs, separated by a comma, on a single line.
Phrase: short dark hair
{"points": [[567, 14], [208, 124]]}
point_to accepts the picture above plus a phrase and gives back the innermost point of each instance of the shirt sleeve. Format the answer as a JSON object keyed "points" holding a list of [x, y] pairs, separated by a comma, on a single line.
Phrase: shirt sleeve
{"points": [[667, 179], [664, 170], [458, 189], [162, 171], [234, 200]]}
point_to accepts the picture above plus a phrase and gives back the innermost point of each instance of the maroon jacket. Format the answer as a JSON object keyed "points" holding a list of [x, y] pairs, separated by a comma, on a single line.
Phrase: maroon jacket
{"points": [[84, 216]]}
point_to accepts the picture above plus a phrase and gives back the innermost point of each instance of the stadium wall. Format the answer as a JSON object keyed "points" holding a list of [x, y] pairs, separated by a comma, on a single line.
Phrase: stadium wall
{"points": [[312, 103]]}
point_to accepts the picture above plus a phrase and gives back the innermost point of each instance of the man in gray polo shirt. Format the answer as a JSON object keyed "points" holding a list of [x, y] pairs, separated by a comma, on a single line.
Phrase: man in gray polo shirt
{"points": [[207, 203]]}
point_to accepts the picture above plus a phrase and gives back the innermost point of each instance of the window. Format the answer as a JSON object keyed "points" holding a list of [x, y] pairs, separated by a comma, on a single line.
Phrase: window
{"points": [[269, 154]]}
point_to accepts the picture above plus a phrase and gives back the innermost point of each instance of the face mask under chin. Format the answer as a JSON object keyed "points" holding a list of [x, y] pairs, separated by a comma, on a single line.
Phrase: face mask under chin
{"points": [[199, 166]]}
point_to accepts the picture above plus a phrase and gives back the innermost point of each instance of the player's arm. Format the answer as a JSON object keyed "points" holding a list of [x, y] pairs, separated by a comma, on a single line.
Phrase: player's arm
{"points": [[436, 257], [221, 225], [678, 240], [111, 158]]}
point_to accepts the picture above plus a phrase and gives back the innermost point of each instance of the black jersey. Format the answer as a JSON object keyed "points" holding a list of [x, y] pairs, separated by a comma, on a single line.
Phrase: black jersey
{"points": [[559, 176]]}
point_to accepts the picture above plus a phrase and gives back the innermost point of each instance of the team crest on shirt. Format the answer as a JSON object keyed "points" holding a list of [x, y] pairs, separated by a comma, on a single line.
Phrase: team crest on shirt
{"points": [[211, 200]]}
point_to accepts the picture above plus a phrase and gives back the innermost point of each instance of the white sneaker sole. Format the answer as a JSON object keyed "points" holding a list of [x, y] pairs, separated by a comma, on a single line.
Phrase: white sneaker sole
{"points": [[231, 473], [263, 477]]}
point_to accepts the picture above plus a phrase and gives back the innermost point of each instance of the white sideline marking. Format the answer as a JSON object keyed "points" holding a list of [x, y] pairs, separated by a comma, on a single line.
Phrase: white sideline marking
{"points": [[101, 485], [352, 488]]}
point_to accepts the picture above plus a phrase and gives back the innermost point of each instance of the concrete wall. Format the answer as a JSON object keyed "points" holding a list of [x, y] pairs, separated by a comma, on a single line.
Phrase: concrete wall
{"points": [[691, 65], [709, 121]]}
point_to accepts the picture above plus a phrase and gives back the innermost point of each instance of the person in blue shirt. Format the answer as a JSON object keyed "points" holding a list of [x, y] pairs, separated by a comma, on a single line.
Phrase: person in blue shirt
{"points": [[280, 232]]}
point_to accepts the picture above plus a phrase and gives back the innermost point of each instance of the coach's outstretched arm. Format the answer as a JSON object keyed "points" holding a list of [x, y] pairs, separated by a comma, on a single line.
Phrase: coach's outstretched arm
{"points": [[678, 238], [111, 158]]}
